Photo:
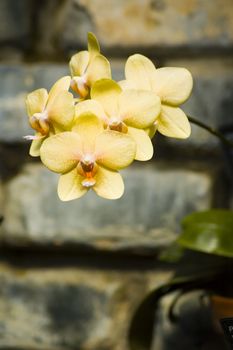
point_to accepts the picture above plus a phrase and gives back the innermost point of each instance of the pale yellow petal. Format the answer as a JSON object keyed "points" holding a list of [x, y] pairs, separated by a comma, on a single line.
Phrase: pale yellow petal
{"points": [[114, 150], [56, 128], [36, 101], [62, 84], [79, 63], [173, 85], [70, 187], [99, 68], [139, 108], [61, 153], [152, 130], [88, 126], [140, 71], [109, 184], [173, 122], [144, 145], [61, 111], [93, 45], [107, 91], [126, 85], [91, 106], [35, 147]]}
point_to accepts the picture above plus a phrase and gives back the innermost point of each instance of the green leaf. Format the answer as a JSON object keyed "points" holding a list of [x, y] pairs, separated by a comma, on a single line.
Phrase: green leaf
{"points": [[209, 232]]}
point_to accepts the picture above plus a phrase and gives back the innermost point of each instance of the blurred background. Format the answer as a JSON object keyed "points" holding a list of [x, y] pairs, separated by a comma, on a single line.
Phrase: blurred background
{"points": [[72, 274]]}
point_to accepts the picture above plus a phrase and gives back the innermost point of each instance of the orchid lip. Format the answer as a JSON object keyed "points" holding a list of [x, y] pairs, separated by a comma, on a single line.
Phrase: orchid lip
{"points": [[88, 183], [114, 121]]}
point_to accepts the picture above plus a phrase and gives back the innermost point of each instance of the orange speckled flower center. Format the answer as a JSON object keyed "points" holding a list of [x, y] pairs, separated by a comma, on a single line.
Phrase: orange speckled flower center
{"points": [[87, 168], [117, 124]]}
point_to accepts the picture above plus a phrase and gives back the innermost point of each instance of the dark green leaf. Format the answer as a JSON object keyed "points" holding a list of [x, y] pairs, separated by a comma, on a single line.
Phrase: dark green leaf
{"points": [[209, 231]]}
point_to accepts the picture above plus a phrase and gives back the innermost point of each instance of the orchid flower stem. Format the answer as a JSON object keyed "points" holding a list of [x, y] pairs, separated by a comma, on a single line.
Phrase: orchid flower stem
{"points": [[214, 132]]}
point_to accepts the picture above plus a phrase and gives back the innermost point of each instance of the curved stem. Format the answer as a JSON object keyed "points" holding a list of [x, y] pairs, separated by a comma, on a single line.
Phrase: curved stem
{"points": [[214, 132]]}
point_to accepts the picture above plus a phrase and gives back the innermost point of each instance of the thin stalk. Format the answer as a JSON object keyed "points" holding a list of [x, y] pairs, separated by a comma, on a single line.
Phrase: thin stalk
{"points": [[211, 130]]}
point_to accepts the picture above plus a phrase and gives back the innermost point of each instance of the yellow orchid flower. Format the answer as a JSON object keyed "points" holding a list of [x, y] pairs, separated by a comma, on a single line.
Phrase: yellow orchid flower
{"points": [[87, 67], [172, 85], [88, 158], [128, 112], [49, 113]]}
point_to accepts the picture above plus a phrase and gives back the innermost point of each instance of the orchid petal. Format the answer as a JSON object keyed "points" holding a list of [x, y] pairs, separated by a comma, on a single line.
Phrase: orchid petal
{"points": [[88, 126], [152, 130], [173, 122], [35, 147], [114, 150], [139, 108], [70, 186], [99, 68], [144, 145], [91, 106], [62, 84], [140, 70], [173, 85], [107, 91], [79, 63], [36, 101], [62, 109], [126, 85], [61, 153], [109, 184]]}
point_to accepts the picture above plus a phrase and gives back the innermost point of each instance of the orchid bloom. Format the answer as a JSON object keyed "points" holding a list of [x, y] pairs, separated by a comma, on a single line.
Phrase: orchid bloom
{"points": [[88, 157], [49, 113], [127, 112], [172, 85], [87, 67]]}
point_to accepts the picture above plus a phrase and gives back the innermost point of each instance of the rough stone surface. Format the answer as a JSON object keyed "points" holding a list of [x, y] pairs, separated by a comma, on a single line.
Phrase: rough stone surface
{"points": [[14, 22], [70, 308], [163, 23], [50, 21], [46, 27], [154, 202], [1, 198]]}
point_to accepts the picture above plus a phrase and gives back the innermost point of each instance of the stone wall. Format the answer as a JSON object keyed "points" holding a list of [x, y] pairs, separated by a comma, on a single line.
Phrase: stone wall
{"points": [[72, 274]]}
